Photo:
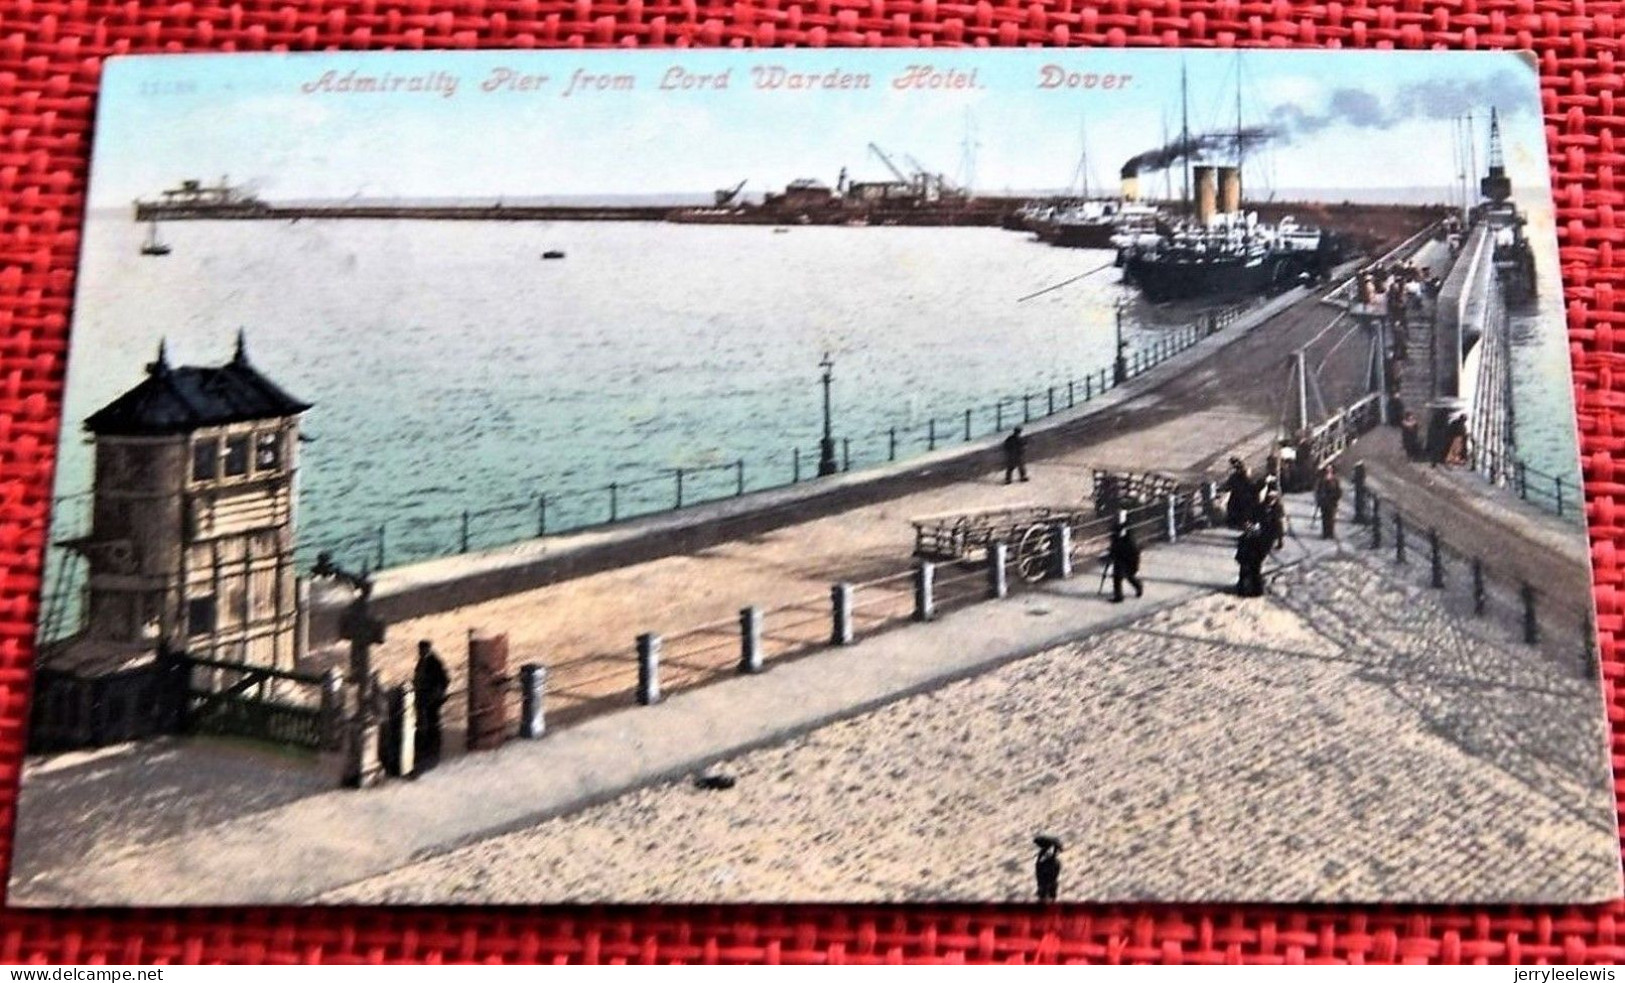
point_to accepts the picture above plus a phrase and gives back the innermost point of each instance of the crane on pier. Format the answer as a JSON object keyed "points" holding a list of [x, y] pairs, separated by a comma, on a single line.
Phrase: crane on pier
{"points": [[727, 196], [896, 171]]}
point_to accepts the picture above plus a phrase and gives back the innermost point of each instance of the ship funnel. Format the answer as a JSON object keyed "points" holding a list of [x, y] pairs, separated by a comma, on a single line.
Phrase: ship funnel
{"points": [[1230, 189], [1206, 206], [1131, 187]]}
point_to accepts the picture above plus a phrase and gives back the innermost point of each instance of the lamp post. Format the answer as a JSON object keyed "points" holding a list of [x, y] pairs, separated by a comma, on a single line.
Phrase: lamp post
{"points": [[827, 464], [1120, 365], [362, 767]]}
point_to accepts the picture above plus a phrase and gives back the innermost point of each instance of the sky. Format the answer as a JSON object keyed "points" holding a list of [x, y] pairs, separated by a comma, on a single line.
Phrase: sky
{"points": [[467, 124]]}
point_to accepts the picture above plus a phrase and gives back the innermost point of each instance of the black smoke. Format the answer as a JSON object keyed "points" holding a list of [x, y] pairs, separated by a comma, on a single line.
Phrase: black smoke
{"points": [[1434, 99], [1226, 142]]}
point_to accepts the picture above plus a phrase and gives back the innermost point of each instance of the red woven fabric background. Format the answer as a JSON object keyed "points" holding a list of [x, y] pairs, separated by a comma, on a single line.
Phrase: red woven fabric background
{"points": [[50, 57]]}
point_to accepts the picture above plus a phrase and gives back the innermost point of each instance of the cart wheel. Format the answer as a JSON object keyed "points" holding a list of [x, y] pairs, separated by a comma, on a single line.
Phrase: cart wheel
{"points": [[1033, 553]]}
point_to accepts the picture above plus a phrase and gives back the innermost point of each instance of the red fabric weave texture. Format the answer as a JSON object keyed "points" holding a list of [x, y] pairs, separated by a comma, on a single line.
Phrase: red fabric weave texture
{"points": [[50, 57]]}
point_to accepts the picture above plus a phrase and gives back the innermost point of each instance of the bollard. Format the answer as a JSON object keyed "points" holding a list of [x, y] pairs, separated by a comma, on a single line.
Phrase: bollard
{"points": [[998, 579], [380, 546], [1435, 558], [1051, 401], [648, 669], [541, 515], [679, 473], [532, 701], [998, 416], [1061, 547], [846, 453], [1360, 517], [795, 465], [332, 711], [465, 530], [1478, 586], [1173, 520], [614, 503], [1026, 407], [1070, 402], [924, 580], [1522, 479], [931, 435], [891, 444], [1399, 538], [400, 733], [739, 477], [362, 766], [1531, 627], [840, 602], [1376, 523], [1088, 388], [1557, 483], [750, 639], [487, 701], [967, 426]]}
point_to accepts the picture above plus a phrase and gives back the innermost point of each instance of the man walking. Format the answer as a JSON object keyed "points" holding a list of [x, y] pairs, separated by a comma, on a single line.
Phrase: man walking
{"points": [[1015, 455], [1124, 556], [1241, 498], [1048, 867], [429, 682], [1328, 492], [1251, 549]]}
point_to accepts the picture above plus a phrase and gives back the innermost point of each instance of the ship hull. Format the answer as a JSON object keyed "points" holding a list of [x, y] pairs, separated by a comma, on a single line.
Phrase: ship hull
{"points": [[1223, 278], [1084, 236]]}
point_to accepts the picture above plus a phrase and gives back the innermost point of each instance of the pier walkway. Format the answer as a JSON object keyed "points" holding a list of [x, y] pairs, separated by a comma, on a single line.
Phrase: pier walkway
{"points": [[1126, 729]]}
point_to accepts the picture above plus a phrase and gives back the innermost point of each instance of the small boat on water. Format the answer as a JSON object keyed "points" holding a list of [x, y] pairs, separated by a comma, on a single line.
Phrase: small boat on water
{"points": [[781, 230], [153, 246], [553, 254]]}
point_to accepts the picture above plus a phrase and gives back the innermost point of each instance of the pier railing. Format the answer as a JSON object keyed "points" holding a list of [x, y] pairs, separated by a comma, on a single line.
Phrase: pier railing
{"points": [[554, 511], [845, 614], [1481, 585], [1562, 497]]}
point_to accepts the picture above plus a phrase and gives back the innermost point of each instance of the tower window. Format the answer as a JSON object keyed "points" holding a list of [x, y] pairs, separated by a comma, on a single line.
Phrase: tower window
{"points": [[267, 451], [204, 455], [200, 616], [236, 456]]}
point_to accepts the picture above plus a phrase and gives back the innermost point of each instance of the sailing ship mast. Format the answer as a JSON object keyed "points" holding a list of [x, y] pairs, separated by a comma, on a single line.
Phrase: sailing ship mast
{"points": [[1240, 146], [1185, 134]]}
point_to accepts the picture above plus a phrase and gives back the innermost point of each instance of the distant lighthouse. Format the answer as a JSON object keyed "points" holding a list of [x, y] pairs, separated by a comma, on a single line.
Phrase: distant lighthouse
{"points": [[192, 523]]}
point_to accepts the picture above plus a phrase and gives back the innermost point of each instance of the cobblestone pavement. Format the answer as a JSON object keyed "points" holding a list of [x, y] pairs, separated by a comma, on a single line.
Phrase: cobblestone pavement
{"points": [[1346, 739]]}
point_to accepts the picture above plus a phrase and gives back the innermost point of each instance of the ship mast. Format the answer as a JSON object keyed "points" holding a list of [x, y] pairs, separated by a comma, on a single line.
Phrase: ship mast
{"points": [[1185, 134], [1240, 151]]}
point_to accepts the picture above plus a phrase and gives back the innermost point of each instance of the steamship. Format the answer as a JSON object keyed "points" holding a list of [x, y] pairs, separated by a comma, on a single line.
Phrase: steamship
{"points": [[1223, 253], [1094, 224]]}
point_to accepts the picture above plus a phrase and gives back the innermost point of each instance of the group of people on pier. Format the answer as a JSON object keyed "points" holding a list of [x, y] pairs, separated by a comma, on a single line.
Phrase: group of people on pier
{"points": [[1255, 507]]}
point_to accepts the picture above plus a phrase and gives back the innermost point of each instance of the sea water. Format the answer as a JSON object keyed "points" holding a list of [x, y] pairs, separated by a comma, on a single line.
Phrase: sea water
{"points": [[451, 368]]}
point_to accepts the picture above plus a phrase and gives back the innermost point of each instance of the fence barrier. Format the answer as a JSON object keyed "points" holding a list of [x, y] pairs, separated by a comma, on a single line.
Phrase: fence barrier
{"points": [[1519, 600]]}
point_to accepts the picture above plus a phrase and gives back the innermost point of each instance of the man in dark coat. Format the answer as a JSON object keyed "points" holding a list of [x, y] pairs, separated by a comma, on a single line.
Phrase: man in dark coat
{"points": [[1048, 867], [1015, 455], [1251, 549], [1410, 435], [1124, 554], [429, 684], [1328, 492], [1241, 497]]}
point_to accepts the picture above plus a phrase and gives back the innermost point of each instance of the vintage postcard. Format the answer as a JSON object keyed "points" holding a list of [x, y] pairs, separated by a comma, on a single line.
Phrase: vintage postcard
{"points": [[721, 476]]}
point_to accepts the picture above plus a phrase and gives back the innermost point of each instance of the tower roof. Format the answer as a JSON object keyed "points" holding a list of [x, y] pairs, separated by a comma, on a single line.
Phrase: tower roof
{"points": [[175, 400]]}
